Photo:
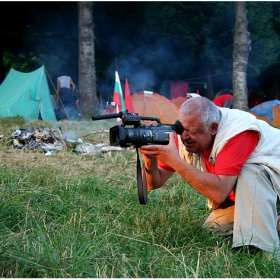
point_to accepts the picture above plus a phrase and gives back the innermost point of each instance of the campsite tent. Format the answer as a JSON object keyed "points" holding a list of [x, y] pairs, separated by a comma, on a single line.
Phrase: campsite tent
{"points": [[178, 101], [268, 111], [152, 104], [26, 95]]}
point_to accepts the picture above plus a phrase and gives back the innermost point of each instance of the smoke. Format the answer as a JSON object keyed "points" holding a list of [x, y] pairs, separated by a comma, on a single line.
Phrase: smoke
{"points": [[145, 56], [146, 68], [70, 135]]}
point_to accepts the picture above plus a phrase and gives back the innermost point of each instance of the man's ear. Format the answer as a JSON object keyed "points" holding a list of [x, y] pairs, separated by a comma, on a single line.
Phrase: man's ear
{"points": [[214, 128]]}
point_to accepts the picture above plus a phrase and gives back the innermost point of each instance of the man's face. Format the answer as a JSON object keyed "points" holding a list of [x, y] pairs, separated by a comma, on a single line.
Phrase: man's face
{"points": [[194, 137]]}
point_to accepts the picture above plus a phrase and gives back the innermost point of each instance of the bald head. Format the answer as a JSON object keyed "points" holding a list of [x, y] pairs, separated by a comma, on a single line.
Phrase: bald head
{"points": [[203, 108]]}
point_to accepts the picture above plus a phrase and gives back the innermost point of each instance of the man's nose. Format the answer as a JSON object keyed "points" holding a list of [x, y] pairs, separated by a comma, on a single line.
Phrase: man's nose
{"points": [[186, 134]]}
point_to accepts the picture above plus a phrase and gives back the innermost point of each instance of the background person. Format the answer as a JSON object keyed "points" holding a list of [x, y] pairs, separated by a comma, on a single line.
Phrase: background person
{"points": [[66, 97], [239, 160]]}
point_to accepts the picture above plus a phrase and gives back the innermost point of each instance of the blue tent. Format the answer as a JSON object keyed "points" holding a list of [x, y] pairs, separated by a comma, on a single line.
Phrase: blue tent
{"points": [[26, 95]]}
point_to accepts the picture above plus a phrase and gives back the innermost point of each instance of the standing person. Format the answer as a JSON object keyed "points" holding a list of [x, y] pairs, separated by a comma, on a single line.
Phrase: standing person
{"points": [[66, 96], [239, 173]]}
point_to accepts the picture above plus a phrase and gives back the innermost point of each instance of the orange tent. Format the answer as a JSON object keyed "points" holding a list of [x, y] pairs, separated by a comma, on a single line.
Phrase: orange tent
{"points": [[152, 104], [268, 111], [181, 99]]}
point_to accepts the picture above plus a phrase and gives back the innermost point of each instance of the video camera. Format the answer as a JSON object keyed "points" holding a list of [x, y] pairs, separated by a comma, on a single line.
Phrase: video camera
{"points": [[140, 134]]}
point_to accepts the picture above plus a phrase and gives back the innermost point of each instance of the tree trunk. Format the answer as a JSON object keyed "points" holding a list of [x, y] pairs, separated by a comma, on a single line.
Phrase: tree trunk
{"points": [[87, 74], [240, 57]]}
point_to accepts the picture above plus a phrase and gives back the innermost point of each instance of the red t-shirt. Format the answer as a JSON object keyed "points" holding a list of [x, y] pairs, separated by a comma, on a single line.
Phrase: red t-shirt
{"points": [[231, 158]]}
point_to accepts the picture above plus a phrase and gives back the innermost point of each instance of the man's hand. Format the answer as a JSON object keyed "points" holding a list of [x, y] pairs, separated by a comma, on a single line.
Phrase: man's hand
{"points": [[165, 153], [157, 176]]}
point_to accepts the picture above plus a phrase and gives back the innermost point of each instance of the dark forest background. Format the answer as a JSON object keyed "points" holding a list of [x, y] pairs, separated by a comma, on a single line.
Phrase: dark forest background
{"points": [[150, 43]]}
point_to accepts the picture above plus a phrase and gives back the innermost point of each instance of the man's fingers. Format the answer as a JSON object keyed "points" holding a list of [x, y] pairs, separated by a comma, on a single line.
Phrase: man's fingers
{"points": [[171, 138]]}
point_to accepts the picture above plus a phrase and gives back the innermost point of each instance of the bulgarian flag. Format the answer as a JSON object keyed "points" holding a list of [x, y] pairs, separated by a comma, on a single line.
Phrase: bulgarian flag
{"points": [[118, 95]]}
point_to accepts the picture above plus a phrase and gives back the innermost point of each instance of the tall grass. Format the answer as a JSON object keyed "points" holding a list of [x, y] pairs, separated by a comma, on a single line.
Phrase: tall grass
{"points": [[75, 215]]}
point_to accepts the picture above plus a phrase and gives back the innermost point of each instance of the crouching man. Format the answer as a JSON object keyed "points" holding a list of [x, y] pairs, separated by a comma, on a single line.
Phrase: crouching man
{"points": [[239, 169]]}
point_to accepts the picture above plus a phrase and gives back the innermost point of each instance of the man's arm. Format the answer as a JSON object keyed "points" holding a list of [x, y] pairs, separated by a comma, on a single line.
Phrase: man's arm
{"points": [[73, 85], [155, 175], [215, 187]]}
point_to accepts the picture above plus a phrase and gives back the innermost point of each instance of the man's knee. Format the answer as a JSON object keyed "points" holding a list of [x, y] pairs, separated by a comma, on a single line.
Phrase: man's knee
{"points": [[221, 220]]}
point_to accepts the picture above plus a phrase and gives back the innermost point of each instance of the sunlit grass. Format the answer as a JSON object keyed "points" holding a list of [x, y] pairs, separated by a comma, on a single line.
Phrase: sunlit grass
{"points": [[74, 215]]}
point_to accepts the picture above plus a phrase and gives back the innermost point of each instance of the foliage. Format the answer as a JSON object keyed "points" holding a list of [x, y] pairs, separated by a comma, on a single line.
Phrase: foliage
{"points": [[188, 41], [73, 215], [150, 43], [43, 34], [265, 40]]}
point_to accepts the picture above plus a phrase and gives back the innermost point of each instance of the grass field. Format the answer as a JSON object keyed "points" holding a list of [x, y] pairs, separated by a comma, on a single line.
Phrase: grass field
{"points": [[77, 215]]}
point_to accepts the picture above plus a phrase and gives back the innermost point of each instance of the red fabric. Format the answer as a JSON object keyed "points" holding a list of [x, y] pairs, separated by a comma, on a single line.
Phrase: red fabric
{"points": [[231, 158], [178, 89], [234, 154], [127, 98], [220, 100], [117, 100]]}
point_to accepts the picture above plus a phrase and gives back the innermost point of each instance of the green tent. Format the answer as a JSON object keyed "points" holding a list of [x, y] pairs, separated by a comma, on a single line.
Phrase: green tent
{"points": [[26, 95]]}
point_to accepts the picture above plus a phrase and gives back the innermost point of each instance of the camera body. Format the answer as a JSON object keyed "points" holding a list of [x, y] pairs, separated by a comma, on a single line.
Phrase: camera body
{"points": [[137, 137], [139, 134]]}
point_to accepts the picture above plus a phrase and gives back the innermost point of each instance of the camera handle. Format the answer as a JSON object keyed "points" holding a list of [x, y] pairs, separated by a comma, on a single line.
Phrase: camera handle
{"points": [[141, 181]]}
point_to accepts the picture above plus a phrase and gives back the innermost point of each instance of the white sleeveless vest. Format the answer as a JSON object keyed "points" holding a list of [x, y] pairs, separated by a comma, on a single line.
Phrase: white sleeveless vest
{"points": [[266, 153]]}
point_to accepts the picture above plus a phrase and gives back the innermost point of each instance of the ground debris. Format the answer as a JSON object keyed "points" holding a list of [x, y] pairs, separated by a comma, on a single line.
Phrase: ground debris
{"points": [[52, 140], [87, 148], [43, 139]]}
